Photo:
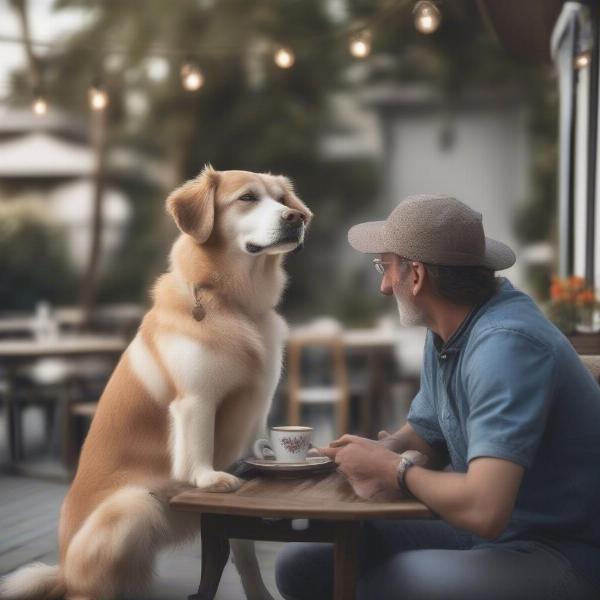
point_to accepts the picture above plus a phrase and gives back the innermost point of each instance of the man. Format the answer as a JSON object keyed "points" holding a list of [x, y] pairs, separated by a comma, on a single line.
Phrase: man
{"points": [[504, 400]]}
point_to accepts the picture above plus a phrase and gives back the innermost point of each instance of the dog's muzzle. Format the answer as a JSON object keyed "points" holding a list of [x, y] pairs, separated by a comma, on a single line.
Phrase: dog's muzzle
{"points": [[290, 234]]}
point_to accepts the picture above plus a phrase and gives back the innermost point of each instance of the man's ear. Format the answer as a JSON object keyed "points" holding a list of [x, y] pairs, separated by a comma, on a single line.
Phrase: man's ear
{"points": [[292, 201], [418, 274], [192, 205]]}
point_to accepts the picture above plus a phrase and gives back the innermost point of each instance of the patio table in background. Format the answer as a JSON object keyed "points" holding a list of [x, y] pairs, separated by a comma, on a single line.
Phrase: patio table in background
{"points": [[15, 354]]}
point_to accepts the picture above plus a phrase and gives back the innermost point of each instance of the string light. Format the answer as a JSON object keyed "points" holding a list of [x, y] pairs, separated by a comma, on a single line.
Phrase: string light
{"points": [[582, 59], [284, 58], [427, 16], [98, 98], [191, 77], [157, 68], [360, 44], [40, 106]]}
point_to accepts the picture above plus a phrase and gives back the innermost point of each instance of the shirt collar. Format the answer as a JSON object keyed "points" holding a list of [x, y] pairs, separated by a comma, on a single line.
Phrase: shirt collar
{"points": [[460, 335]]}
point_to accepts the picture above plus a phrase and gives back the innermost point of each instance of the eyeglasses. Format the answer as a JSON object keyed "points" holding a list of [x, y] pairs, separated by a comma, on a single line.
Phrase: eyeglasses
{"points": [[380, 265]]}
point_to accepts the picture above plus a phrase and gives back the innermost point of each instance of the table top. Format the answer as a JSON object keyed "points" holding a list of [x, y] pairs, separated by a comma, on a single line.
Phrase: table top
{"points": [[327, 497], [370, 338], [62, 345]]}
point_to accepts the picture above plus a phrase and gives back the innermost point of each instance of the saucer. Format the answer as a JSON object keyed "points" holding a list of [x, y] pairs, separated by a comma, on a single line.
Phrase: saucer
{"points": [[311, 464]]}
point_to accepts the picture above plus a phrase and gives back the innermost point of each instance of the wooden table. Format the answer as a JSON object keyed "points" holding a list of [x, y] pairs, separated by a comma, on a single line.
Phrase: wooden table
{"points": [[327, 500], [17, 353]]}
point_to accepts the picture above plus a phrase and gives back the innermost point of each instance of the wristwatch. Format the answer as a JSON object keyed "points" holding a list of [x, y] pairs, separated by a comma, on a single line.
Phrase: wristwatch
{"points": [[404, 464]]}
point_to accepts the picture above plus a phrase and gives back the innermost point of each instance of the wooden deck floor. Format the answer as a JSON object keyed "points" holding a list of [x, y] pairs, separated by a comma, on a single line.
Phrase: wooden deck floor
{"points": [[29, 511]]}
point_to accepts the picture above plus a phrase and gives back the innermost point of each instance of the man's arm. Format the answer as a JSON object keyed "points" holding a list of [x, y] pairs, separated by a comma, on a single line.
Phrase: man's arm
{"points": [[480, 500], [406, 438]]}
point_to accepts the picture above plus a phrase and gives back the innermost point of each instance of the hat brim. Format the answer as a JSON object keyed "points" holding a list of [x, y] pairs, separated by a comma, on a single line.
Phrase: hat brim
{"points": [[368, 237], [498, 256]]}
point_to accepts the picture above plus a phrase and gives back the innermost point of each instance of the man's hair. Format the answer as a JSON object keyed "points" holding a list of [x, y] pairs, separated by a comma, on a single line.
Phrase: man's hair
{"points": [[461, 285]]}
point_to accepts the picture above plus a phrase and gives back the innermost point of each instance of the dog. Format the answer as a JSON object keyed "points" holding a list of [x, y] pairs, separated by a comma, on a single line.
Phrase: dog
{"points": [[189, 395]]}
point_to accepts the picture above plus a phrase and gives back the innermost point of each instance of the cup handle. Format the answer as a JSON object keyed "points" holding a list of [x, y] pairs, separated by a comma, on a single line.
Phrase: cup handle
{"points": [[262, 449]]}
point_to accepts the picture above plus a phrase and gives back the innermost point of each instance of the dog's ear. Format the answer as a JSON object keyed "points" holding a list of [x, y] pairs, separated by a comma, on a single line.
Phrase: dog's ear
{"points": [[292, 201], [192, 205]]}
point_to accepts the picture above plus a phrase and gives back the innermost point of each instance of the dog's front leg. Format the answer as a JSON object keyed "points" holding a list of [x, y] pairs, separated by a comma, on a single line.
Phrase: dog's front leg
{"points": [[192, 445]]}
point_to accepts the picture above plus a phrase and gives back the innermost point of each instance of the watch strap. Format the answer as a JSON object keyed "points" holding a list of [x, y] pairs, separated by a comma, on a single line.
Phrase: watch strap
{"points": [[404, 464]]}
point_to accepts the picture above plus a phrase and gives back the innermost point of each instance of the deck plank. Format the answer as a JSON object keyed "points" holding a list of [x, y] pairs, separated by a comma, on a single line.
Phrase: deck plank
{"points": [[29, 510]]}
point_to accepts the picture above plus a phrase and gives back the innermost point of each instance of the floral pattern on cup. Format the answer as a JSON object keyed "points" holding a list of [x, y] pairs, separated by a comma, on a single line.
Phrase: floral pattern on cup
{"points": [[295, 444]]}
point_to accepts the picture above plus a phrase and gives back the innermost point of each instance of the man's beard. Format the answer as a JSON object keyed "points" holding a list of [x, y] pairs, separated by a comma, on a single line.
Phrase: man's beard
{"points": [[410, 315]]}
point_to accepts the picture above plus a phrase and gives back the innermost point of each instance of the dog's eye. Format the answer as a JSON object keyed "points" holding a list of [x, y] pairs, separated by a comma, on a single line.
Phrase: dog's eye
{"points": [[249, 197]]}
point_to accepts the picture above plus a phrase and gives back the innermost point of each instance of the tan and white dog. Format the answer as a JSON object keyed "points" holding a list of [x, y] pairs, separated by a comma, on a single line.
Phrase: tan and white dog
{"points": [[189, 395]]}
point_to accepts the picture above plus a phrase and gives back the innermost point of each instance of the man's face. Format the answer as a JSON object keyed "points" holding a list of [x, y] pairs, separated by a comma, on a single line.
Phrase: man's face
{"points": [[398, 280]]}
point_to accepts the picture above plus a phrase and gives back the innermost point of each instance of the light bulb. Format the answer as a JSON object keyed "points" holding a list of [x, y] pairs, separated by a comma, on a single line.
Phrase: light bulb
{"points": [[360, 44], [427, 16], [284, 58], [40, 106], [191, 77], [582, 59], [157, 68], [98, 98]]}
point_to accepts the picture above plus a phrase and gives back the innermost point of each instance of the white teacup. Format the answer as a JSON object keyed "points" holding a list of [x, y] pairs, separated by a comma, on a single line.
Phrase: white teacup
{"points": [[288, 443]]}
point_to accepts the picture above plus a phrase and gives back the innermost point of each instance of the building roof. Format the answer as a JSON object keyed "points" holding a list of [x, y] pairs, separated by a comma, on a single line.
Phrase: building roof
{"points": [[44, 155], [523, 27], [18, 120]]}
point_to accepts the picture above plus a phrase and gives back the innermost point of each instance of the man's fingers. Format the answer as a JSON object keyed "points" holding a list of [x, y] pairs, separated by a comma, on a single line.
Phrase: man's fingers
{"points": [[383, 434], [330, 452], [347, 438]]}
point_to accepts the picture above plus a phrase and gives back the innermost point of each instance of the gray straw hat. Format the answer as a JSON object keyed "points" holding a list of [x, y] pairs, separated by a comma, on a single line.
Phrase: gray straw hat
{"points": [[433, 229]]}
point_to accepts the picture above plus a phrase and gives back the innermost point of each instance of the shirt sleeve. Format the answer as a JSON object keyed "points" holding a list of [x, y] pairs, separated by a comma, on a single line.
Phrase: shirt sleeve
{"points": [[510, 382], [422, 416]]}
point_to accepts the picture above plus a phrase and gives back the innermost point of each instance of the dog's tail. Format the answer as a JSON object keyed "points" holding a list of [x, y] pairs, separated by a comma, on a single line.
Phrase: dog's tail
{"points": [[36, 581]]}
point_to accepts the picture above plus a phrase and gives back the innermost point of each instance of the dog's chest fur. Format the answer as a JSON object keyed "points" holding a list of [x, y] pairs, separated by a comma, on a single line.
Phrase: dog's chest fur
{"points": [[174, 363]]}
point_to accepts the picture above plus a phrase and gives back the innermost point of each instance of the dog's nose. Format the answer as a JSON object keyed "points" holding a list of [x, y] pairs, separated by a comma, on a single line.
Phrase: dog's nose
{"points": [[292, 217]]}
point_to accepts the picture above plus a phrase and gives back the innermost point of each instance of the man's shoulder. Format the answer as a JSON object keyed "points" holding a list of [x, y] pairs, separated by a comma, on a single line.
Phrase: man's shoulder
{"points": [[514, 317]]}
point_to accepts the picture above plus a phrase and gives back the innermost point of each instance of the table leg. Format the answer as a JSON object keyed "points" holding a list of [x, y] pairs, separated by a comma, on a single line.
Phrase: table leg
{"points": [[215, 553], [345, 560], [11, 423]]}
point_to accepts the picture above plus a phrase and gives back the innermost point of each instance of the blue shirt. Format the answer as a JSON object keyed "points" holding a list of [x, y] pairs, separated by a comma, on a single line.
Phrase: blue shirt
{"points": [[508, 384]]}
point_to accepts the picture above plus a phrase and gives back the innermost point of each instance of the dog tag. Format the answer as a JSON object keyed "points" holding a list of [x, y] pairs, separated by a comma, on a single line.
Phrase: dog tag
{"points": [[198, 312]]}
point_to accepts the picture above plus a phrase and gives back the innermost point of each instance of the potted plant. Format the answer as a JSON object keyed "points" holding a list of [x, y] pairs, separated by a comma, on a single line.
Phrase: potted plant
{"points": [[572, 308]]}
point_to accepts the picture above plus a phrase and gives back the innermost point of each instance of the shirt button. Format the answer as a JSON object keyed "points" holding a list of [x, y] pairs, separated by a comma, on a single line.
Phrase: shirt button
{"points": [[444, 356]]}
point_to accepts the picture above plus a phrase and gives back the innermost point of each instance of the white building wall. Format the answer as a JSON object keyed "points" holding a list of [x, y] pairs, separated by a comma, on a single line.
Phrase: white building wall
{"points": [[486, 166]]}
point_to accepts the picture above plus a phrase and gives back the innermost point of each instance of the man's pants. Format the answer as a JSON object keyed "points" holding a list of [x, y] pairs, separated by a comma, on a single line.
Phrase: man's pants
{"points": [[431, 560]]}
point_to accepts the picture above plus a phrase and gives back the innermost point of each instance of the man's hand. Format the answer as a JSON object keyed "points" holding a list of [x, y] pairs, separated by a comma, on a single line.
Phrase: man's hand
{"points": [[369, 467]]}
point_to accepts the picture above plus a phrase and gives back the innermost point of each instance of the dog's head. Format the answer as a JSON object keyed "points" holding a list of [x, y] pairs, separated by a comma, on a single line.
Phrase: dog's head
{"points": [[255, 212]]}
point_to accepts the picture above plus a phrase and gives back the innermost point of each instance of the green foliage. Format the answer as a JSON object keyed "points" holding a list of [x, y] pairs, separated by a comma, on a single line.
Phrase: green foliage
{"points": [[252, 115], [33, 261]]}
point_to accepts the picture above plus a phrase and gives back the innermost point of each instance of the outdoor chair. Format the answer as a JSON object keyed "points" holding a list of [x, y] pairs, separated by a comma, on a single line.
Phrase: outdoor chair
{"points": [[336, 393]]}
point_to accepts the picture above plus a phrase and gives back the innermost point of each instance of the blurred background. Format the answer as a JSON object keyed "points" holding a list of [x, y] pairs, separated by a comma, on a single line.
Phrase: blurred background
{"points": [[106, 106]]}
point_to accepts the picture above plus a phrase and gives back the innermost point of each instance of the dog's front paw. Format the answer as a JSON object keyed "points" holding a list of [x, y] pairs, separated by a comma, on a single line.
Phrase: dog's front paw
{"points": [[216, 481]]}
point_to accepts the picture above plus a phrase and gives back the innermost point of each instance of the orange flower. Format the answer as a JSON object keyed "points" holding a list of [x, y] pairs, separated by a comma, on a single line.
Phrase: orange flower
{"points": [[556, 291], [586, 296], [576, 282]]}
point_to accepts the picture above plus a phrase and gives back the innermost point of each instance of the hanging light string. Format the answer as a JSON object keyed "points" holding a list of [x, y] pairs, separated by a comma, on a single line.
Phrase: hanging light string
{"points": [[427, 18], [388, 9]]}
